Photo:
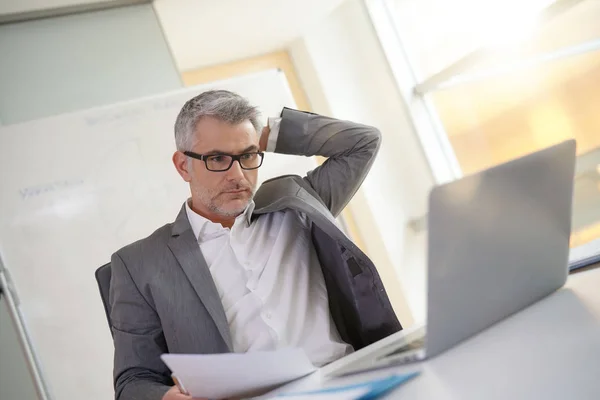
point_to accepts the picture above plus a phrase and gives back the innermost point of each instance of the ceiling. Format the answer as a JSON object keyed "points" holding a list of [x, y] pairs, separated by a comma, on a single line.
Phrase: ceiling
{"points": [[207, 32]]}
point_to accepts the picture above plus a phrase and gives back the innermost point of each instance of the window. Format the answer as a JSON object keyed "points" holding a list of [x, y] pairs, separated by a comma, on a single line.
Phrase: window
{"points": [[500, 79]]}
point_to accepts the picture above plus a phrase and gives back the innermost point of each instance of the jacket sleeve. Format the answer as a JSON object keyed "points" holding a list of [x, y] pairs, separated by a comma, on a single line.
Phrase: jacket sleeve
{"points": [[350, 149], [139, 372]]}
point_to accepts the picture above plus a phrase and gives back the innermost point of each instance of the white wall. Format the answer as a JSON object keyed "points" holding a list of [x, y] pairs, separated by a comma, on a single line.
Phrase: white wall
{"points": [[56, 65], [345, 74]]}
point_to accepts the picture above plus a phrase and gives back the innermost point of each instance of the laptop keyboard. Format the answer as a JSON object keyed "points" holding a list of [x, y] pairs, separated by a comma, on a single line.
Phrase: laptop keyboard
{"points": [[416, 344]]}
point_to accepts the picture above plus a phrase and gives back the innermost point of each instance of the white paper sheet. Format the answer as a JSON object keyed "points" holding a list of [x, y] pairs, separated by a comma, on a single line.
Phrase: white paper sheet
{"points": [[219, 376]]}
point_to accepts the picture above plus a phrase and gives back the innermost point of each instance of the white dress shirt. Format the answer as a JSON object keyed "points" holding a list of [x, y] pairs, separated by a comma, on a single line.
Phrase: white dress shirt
{"points": [[270, 282]]}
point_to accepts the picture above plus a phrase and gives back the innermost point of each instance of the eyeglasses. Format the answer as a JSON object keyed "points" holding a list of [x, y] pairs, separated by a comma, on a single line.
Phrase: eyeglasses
{"points": [[222, 162]]}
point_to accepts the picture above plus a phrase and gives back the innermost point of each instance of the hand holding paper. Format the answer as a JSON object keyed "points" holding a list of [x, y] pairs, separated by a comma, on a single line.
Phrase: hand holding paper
{"points": [[175, 393], [219, 376]]}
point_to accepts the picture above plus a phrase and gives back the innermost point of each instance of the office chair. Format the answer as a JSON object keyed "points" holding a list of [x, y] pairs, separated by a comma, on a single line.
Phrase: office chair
{"points": [[103, 275]]}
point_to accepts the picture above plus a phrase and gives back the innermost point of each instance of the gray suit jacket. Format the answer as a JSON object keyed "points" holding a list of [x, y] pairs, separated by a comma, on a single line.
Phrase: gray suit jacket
{"points": [[163, 298]]}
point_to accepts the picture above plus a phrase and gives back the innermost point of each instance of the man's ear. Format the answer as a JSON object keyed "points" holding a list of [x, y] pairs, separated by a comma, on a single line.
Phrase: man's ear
{"points": [[180, 161]]}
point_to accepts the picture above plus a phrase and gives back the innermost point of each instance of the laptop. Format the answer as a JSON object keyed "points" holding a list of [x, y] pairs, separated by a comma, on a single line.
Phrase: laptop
{"points": [[498, 241]]}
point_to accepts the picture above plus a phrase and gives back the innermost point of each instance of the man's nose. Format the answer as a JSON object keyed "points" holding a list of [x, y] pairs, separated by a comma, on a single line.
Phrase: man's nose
{"points": [[236, 171]]}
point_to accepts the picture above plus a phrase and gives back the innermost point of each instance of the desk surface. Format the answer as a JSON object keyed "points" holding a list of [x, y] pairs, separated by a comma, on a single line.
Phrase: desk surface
{"points": [[550, 350]]}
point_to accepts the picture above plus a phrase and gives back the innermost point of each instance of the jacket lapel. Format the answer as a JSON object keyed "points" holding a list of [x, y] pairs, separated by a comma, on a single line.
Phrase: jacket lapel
{"points": [[291, 191], [184, 246]]}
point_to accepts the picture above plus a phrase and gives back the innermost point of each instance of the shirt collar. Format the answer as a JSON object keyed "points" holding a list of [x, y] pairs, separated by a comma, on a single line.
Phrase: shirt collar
{"points": [[204, 228], [248, 212]]}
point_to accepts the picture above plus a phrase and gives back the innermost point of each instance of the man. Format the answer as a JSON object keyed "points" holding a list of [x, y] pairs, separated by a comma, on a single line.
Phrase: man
{"points": [[243, 271]]}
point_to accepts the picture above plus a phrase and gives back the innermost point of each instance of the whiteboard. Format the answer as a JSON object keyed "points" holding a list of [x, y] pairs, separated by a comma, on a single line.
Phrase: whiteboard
{"points": [[77, 187]]}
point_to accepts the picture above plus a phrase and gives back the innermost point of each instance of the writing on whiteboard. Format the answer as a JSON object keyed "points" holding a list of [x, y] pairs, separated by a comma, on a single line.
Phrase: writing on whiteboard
{"points": [[113, 116], [167, 103], [127, 113], [37, 190]]}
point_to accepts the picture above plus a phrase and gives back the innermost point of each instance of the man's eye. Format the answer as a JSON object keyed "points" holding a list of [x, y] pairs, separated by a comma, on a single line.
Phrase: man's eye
{"points": [[218, 159]]}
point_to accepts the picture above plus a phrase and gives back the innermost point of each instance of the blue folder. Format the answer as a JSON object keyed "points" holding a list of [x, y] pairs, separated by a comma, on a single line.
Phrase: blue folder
{"points": [[376, 387]]}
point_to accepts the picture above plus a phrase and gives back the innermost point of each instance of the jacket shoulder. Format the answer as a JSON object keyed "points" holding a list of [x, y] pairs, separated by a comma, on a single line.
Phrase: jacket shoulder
{"points": [[282, 179], [147, 245], [285, 185]]}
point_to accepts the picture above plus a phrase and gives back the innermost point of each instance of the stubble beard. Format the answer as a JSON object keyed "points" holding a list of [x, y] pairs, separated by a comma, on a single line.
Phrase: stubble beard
{"points": [[210, 199]]}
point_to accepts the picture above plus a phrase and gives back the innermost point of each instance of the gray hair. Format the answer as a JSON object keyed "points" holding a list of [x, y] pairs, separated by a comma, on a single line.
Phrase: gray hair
{"points": [[221, 104]]}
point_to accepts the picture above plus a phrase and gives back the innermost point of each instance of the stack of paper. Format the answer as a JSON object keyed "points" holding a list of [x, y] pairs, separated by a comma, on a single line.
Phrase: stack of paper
{"points": [[584, 255]]}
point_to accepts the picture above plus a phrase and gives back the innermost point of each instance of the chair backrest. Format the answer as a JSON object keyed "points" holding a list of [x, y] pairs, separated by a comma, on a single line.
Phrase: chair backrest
{"points": [[103, 275]]}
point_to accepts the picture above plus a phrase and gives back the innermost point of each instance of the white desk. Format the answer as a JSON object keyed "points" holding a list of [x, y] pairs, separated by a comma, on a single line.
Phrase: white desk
{"points": [[551, 350]]}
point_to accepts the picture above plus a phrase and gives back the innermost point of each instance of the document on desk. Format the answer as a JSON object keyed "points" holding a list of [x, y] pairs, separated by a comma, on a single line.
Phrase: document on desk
{"points": [[370, 389], [220, 376]]}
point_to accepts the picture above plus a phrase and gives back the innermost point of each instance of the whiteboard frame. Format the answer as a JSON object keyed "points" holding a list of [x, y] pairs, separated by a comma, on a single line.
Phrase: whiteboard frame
{"points": [[7, 291]]}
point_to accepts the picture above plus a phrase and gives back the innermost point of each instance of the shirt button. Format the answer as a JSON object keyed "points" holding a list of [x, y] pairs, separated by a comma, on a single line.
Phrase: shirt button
{"points": [[268, 315]]}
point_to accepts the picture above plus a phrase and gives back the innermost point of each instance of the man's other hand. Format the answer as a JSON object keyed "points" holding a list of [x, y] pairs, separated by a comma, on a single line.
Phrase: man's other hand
{"points": [[264, 138]]}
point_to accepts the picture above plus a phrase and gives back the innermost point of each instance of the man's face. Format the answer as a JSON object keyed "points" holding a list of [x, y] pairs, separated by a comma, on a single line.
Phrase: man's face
{"points": [[221, 194]]}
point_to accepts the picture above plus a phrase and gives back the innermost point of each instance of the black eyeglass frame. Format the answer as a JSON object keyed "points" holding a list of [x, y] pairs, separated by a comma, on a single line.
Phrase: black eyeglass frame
{"points": [[204, 157]]}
